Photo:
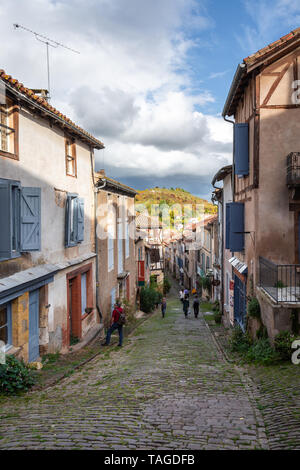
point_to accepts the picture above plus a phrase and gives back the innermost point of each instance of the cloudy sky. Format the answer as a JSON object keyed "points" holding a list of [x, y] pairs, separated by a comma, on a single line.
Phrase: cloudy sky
{"points": [[151, 77]]}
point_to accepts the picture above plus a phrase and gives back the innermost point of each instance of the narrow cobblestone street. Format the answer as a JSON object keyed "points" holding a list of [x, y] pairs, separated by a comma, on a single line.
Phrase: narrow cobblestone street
{"points": [[168, 388]]}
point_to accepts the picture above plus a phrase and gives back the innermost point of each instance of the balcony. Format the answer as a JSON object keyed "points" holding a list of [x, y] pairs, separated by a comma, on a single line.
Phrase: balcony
{"points": [[293, 170], [280, 281]]}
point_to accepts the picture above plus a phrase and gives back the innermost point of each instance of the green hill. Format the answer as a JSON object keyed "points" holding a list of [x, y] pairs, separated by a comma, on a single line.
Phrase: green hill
{"points": [[171, 196]]}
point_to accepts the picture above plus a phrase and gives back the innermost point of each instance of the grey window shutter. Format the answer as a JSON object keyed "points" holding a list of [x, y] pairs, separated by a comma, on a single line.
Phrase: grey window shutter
{"points": [[241, 149], [80, 220], [5, 219], [30, 218], [237, 236], [227, 225]]}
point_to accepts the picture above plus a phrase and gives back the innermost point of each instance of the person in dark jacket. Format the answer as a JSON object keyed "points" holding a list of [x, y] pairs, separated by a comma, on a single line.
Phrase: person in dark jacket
{"points": [[196, 306], [186, 304], [114, 325]]}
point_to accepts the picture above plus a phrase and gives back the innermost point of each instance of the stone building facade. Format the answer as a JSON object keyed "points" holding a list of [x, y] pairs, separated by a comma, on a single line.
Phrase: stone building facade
{"points": [[47, 239]]}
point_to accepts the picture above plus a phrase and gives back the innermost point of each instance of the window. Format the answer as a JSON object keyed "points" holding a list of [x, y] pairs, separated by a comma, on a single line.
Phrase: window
{"points": [[71, 161], [207, 263], [74, 220], [83, 293], [9, 119], [6, 325], [20, 219]]}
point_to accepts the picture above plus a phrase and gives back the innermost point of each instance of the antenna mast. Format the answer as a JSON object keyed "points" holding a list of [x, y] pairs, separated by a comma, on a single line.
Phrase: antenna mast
{"points": [[48, 42]]}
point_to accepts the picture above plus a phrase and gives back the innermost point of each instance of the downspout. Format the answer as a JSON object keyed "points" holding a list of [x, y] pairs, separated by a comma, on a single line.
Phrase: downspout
{"points": [[96, 189]]}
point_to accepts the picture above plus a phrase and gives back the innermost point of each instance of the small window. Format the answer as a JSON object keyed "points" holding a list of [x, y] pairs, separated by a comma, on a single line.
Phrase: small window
{"points": [[5, 325], [74, 220], [9, 129], [71, 163]]}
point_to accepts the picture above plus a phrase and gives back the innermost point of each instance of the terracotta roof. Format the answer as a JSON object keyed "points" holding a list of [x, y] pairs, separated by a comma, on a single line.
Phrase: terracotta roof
{"points": [[271, 48], [36, 100], [114, 183], [267, 54]]}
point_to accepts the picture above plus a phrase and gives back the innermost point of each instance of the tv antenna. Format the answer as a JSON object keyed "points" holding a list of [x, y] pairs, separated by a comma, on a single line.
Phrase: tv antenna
{"points": [[48, 42]]}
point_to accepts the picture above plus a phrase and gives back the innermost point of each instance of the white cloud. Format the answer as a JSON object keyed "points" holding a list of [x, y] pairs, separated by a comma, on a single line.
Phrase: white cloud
{"points": [[125, 86]]}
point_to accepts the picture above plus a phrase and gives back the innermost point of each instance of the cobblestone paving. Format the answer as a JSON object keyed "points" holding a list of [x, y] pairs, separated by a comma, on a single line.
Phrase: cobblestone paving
{"points": [[277, 394], [169, 387]]}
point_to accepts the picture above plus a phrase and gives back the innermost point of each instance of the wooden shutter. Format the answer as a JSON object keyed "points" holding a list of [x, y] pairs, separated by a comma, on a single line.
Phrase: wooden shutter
{"points": [[5, 219], [80, 220], [30, 230], [227, 233], [237, 225], [241, 149]]}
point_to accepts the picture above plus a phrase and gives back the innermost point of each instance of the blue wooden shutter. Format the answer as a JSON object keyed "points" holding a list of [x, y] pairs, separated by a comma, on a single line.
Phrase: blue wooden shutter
{"points": [[80, 220], [237, 226], [241, 149], [5, 219], [227, 233], [30, 231]]}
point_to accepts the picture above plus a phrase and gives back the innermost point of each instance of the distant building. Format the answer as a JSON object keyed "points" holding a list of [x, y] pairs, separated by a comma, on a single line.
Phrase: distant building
{"points": [[115, 244]]}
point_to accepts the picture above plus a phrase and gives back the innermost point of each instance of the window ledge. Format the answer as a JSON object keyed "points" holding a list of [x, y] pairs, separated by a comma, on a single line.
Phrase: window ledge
{"points": [[14, 156]]}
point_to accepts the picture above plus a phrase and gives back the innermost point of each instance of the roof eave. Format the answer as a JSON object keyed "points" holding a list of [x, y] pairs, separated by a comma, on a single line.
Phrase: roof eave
{"points": [[92, 141], [239, 74]]}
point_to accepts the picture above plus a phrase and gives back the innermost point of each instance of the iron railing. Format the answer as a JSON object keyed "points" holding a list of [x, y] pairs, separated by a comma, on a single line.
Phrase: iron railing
{"points": [[293, 169], [280, 281]]}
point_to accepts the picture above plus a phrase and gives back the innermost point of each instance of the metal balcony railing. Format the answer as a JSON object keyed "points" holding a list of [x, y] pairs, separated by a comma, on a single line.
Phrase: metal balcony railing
{"points": [[293, 169], [280, 281]]}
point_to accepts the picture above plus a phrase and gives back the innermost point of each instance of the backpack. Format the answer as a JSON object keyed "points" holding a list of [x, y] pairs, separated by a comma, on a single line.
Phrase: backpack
{"points": [[122, 318]]}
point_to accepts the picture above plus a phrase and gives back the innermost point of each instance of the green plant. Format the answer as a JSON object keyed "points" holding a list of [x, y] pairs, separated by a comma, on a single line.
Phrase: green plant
{"points": [[295, 321], [205, 282], [217, 316], [239, 341], [254, 308], [50, 358], [166, 285], [279, 284], [74, 340], [283, 345], [129, 310], [262, 352], [15, 376], [216, 306], [262, 332], [148, 299]]}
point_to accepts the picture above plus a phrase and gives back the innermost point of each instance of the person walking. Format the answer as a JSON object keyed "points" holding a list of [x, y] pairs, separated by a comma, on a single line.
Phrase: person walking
{"points": [[196, 306], [163, 306], [186, 304], [186, 292], [116, 323]]}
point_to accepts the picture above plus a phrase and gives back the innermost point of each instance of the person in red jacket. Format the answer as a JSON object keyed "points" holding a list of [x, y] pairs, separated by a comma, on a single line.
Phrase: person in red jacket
{"points": [[114, 325]]}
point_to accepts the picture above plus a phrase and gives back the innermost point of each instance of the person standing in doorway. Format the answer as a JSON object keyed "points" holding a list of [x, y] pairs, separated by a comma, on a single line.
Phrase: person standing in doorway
{"points": [[116, 323], [163, 306], [196, 306], [186, 304]]}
